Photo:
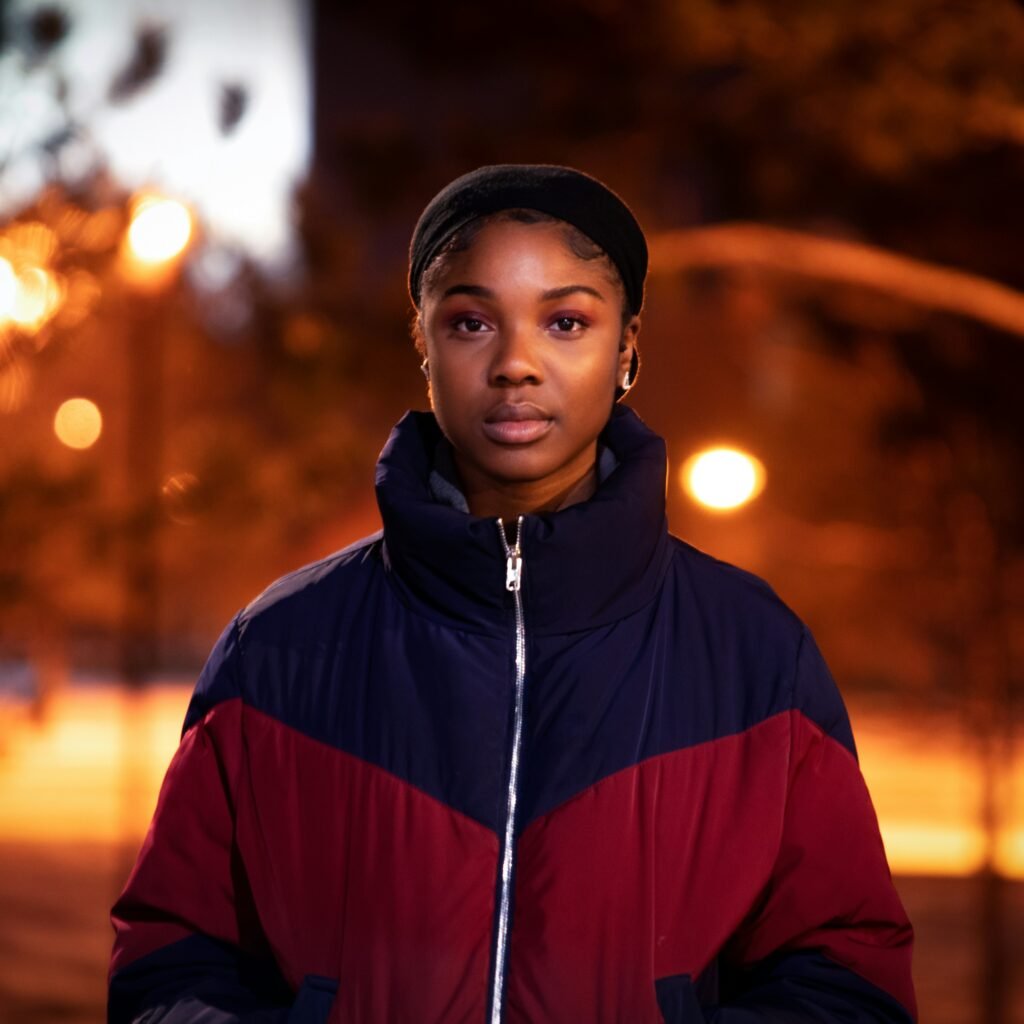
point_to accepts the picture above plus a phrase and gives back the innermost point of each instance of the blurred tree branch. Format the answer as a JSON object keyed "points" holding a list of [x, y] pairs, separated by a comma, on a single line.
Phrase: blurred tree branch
{"points": [[842, 262]]}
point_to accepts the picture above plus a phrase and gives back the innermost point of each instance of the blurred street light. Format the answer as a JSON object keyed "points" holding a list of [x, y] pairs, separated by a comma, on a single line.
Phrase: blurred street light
{"points": [[159, 230], [37, 296], [158, 234], [723, 478], [78, 423], [30, 293]]}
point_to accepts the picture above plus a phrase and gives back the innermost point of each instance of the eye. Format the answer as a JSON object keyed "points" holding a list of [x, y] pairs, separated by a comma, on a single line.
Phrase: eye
{"points": [[569, 324], [469, 325]]}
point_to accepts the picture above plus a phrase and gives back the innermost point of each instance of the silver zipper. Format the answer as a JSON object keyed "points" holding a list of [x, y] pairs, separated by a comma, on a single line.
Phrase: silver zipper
{"points": [[513, 581]]}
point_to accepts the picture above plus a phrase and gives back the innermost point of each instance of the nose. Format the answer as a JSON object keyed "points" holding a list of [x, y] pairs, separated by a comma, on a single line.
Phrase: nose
{"points": [[516, 358]]}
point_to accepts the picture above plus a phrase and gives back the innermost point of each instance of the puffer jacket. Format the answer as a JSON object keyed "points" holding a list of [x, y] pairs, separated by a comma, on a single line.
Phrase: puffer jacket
{"points": [[439, 777]]}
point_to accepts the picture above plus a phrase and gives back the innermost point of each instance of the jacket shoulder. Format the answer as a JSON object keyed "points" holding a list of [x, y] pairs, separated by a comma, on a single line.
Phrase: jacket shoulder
{"points": [[760, 652], [296, 612], [305, 589], [741, 596]]}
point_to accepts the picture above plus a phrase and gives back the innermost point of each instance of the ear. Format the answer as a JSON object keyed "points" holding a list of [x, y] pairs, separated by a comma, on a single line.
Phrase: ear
{"points": [[629, 360]]}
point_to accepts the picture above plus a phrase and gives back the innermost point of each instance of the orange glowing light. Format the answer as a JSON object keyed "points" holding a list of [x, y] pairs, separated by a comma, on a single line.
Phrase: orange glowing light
{"points": [[37, 296], [160, 230], [723, 478], [78, 423], [8, 290]]}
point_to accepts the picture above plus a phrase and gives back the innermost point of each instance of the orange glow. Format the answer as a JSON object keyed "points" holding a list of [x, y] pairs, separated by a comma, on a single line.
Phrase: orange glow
{"points": [[30, 244], [8, 290], [100, 231], [15, 382], [180, 494], [92, 769], [29, 293], [929, 849], [81, 295], [78, 423], [38, 296], [925, 780], [723, 478], [160, 230]]}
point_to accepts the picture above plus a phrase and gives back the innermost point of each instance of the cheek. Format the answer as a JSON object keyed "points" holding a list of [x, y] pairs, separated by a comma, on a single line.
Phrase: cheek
{"points": [[595, 374], [451, 392], [446, 367]]}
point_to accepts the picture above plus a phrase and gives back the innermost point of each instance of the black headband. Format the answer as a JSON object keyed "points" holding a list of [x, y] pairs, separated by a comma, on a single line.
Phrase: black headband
{"points": [[561, 192]]}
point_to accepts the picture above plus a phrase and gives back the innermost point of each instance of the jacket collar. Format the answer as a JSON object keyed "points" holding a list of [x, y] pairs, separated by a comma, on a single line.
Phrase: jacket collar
{"points": [[584, 566]]}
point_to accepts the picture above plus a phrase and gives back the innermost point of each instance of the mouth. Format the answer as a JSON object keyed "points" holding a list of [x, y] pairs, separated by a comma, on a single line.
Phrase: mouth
{"points": [[515, 423]]}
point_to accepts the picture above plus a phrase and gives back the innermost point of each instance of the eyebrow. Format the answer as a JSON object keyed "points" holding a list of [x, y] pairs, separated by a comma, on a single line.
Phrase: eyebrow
{"points": [[552, 293]]}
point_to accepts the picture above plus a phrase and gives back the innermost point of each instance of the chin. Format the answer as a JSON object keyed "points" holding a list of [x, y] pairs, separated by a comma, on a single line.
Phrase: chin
{"points": [[519, 469], [518, 463]]}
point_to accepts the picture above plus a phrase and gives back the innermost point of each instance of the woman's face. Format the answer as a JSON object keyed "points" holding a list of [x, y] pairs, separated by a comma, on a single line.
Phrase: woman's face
{"points": [[526, 346]]}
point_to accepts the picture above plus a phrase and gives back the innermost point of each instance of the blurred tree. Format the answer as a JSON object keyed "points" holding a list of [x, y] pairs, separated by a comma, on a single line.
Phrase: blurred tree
{"points": [[229, 499], [219, 339]]}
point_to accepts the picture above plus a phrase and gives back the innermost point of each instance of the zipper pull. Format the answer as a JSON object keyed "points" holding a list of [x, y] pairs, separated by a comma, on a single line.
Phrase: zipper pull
{"points": [[513, 570], [513, 555]]}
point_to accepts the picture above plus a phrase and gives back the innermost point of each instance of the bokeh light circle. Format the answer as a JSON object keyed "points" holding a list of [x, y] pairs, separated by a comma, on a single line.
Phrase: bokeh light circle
{"points": [[37, 298], [160, 230], [78, 423], [723, 478]]}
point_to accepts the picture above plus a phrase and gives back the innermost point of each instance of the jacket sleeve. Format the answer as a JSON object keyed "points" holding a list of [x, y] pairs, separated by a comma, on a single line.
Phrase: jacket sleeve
{"points": [[829, 939], [188, 945]]}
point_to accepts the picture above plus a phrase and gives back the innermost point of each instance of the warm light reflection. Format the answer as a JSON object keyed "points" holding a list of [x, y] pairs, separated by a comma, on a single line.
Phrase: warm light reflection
{"points": [[160, 230], [78, 423], [723, 478]]}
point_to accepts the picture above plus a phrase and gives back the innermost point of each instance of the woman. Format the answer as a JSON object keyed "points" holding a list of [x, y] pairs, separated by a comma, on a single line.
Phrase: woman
{"points": [[524, 756]]}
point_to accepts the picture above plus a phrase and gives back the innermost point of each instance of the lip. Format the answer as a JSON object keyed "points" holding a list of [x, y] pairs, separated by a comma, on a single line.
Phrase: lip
{"points": [[515, 423]]}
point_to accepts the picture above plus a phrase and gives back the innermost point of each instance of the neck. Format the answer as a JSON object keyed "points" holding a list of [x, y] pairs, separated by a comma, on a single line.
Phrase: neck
{"points": [[508, 499]]}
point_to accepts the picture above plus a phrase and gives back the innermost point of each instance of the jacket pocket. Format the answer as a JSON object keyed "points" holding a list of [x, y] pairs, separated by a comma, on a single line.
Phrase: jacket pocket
{"points": [[314, 1001], [677, 1000]]}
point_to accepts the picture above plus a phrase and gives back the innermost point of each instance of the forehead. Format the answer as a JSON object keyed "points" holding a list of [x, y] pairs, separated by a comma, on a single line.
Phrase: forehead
{"points": [[507, 251]]}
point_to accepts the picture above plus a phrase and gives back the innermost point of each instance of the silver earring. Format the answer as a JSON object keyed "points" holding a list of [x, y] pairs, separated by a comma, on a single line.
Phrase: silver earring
{"points": [[626, 382], [425, 368]]}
